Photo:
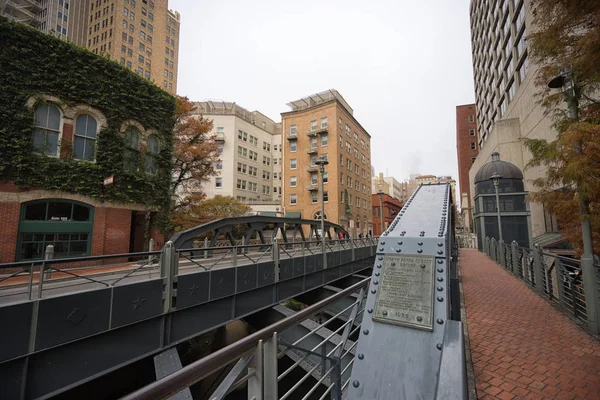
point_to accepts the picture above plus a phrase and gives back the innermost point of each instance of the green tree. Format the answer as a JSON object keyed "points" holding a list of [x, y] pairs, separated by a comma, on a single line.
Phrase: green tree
{"points": [[567, 35], [199, 212]]}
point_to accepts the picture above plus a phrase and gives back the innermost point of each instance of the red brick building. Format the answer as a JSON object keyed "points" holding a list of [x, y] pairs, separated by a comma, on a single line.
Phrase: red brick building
{"points": [[467, 150], [391, 208], [77, 119]]}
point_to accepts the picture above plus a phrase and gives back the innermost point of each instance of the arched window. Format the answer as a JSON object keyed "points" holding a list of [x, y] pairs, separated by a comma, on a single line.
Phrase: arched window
{"points": [[84, 146], [47, 129], [151, 153], [67, 225], [132, 148]]}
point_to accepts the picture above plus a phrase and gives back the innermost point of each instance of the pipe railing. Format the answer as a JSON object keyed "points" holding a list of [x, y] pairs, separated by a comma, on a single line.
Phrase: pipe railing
{"points": [[262, 376], [557, 278]]}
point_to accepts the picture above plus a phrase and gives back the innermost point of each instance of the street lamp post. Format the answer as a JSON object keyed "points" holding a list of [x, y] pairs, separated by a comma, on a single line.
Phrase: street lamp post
{"points": [[322, 162], [567, 84], [496, 178], [380, 193]]}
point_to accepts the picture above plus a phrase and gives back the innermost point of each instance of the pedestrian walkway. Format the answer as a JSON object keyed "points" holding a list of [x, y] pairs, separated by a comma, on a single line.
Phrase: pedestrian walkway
{"points": [[521, 346]]}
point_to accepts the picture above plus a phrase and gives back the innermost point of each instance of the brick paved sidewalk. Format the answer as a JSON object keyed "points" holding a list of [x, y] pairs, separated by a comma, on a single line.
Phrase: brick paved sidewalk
{"points": [[521, 346]]}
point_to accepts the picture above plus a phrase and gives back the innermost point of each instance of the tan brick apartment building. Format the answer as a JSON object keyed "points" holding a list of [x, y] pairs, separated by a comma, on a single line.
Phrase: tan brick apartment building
{"points": [[467, 150], [323, 124]]}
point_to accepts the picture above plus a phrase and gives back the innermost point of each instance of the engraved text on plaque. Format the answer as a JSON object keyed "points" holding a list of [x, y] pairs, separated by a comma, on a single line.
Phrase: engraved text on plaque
{"points": [[406, 289]]}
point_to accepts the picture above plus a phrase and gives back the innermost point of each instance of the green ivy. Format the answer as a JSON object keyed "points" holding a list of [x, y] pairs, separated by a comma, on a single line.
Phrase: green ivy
{"points": [[34, 64]]}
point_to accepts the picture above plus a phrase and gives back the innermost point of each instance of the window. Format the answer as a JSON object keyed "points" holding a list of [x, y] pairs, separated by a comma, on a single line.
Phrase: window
{"points": [[293, 163], [292, 199], [219, 164], [218, 182], [47, 129], [324, 140], [314, 178], [65, 225], [85, 138], [324, 122], [313, 160], [313, 125], [313, 197], [293, 181], [132, 148], [473, 159], [473, 146], [313, 143], [471, 118], [325, 196], [151, 154], [292, 129], [325, 177], [471, 132]]}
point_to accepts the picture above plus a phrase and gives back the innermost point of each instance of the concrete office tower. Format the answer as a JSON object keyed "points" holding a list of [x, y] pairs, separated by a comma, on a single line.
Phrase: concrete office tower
{"points": [[250, 146], [143, 35], [505, 93], [466, 150], [319, 125]]}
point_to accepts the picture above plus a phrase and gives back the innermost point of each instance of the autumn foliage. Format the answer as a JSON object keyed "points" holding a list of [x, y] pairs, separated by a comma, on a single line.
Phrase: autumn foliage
{"points": [[197, 211], [567, 34]]}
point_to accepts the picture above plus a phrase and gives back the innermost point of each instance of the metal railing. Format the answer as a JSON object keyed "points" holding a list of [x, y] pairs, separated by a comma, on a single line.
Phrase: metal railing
{"points": [[557, 278], [255, 358]]}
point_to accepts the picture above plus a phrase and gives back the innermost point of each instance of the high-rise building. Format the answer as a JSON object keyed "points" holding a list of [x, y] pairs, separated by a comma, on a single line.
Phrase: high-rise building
{"points": [[507, 110], [142, 35], [132, 32], [391, 186], [250, 147], [323, 125], [466, 150]]}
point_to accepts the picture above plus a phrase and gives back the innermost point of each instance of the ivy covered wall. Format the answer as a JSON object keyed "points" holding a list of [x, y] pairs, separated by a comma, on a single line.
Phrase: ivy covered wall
{"points": [[33, 64]]}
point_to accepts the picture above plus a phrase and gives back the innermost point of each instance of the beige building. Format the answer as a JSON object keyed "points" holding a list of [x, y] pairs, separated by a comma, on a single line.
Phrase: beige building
{"points": [[142, 35], [379, 183], [28, 12], [505, 92], [249, 143], [319, 125]]}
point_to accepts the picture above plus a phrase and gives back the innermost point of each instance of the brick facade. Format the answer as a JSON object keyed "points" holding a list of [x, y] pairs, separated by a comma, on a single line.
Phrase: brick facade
{"points": [[466, 139], [391, 207]]}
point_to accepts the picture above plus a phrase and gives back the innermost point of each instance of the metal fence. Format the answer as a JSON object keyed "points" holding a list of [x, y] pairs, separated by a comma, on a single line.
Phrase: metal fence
{"points": [[557, 278], [254, 359]]}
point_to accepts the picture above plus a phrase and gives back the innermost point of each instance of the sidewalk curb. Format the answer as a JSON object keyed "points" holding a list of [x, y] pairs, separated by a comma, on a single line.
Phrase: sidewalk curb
{"points": [[471, 389]]}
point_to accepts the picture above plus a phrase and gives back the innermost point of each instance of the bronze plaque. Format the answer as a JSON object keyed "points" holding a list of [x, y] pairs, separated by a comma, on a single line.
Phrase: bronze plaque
{"points": [[406, 290]]}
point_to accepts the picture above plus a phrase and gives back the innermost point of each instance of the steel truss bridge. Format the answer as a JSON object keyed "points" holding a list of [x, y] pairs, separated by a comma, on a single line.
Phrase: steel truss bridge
{"points": [[379, 317]]}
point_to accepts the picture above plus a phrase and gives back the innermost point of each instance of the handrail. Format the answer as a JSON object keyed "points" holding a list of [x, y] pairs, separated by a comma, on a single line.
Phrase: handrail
{"points": [[199, 369]]}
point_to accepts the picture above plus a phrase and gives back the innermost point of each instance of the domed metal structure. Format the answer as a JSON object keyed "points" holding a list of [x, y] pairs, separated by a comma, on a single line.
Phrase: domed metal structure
{"points": [[505, 169]]}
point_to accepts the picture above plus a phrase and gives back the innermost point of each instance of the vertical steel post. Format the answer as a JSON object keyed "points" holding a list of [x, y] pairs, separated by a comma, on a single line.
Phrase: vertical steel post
{"points": [[515, 257], [537, 268], [270, 384], [205, 247], [255, 370], [49, 255], [276, 255], [502, 254], [167, 273]]}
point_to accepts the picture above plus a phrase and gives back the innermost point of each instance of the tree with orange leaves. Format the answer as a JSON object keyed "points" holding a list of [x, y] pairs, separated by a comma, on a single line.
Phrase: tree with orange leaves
{"points": [[567, 34], [195, 153]]}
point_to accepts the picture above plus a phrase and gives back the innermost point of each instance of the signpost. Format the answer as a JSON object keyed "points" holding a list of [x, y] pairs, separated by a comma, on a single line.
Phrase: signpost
{"points": [[109, 181]]}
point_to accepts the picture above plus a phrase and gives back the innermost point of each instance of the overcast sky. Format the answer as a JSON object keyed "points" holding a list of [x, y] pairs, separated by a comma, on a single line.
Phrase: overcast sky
{"points": [[403, 66]]}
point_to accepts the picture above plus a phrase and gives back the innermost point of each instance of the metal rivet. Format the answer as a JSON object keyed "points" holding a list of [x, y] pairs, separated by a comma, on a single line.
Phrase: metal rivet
{"points": [[384, 313], [440, 321], [440, 279], [440, 270], [423, 265], [420, 243], [380, 258], [366, 331], [378, 265], [355, 384], [400, 243], [399, 251], [375, 282], [361, 356], [419, 250], [382, 243], [373, 291], [440, 244], [440, 252], [440, 299], [438, 346], [440, 261], [381, 249], [439, 288], [377, 273], [393, 264], [370, 310], [419, 318]]}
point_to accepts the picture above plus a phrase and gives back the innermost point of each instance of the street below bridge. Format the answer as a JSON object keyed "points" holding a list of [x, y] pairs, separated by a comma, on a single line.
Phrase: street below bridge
{"points": [[521, 346]]}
